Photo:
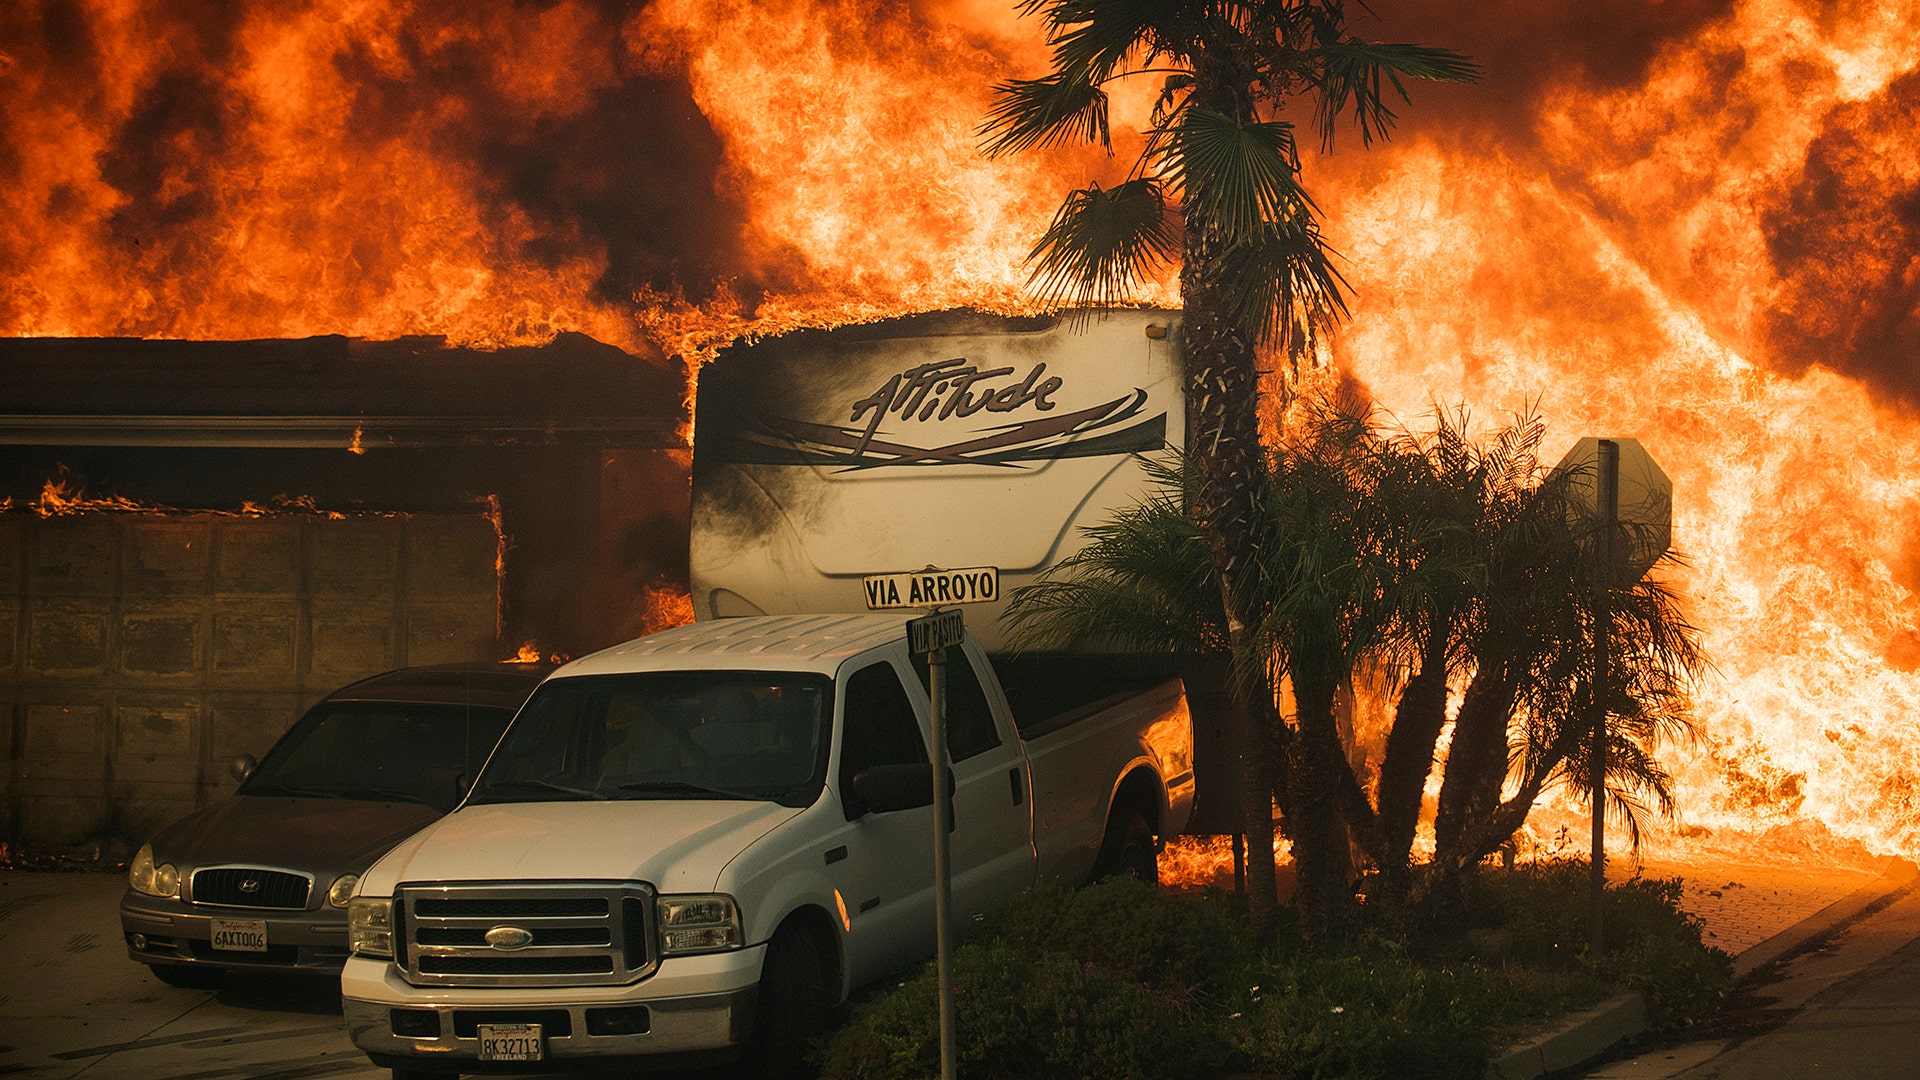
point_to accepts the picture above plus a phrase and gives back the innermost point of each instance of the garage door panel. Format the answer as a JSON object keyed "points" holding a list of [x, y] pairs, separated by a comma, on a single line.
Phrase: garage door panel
{"points": [[154, 741], [350, 640], [355, 558], [53, 818], [166, 558], [451, 557], [10, 651], [166, 641], [71, 556], [67, 638], [257, 557], [256, 640], [444, 633], [65, 741]]}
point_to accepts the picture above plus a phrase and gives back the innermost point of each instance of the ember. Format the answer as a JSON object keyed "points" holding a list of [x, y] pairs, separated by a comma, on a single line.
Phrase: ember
{"points": [[1691, 224]]}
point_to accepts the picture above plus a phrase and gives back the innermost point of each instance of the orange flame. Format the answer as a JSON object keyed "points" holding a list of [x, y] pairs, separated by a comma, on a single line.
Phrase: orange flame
{"points": [[1703, 239]]}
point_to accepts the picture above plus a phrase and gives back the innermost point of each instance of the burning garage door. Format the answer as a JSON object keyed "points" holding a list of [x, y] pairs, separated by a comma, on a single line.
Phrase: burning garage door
{"points": [[140, 653]]}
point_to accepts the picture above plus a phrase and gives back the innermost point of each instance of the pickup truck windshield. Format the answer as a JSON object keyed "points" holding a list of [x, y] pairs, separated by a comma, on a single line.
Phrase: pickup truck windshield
{"points": [[389, 752], [666, 735]]}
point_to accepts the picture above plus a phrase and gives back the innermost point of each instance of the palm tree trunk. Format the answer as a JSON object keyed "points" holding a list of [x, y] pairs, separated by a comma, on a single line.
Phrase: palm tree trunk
{"points": [[1322, 856], [1417, 722], [1223, 440], [1476, 761]]}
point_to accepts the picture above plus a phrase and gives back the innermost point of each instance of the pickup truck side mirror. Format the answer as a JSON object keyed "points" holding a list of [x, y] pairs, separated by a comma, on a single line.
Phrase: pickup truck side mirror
{"points": [[883, 789], [243, 766]]}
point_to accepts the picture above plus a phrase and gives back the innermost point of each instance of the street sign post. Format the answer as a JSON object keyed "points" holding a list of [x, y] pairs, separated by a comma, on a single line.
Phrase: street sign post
{"points": [[1625, 501], [932, 635]]}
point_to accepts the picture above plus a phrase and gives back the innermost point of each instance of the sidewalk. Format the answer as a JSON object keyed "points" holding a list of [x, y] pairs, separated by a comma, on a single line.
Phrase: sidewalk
{"points": [[1756, 909]]}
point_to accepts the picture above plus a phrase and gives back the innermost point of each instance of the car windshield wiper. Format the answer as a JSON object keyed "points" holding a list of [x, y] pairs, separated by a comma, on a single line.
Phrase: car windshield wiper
{"points": [[538, 785], [300, 792], [683, 787]]}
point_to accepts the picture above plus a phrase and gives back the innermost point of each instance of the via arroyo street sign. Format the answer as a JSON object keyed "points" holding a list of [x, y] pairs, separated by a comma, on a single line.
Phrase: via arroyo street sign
{"points": [[933, 588], [1645, 502]]}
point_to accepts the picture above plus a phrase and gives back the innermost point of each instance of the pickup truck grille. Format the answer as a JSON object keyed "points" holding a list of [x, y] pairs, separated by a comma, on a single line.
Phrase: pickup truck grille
{"points": [[576, 934]]}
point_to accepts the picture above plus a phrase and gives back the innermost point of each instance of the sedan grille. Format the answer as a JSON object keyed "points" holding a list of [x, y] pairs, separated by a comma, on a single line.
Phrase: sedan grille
{"points": [[525, 935], [251, 887]]}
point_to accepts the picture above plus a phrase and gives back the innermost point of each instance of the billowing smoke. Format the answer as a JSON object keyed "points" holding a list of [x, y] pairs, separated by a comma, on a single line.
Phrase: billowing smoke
{"points": [[1845, 240], [494, 170]]}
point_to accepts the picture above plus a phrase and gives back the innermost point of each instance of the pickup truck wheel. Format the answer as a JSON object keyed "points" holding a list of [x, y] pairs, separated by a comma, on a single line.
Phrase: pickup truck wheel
{"points": [[1128, 849], [188, 977], [791, 1015]]}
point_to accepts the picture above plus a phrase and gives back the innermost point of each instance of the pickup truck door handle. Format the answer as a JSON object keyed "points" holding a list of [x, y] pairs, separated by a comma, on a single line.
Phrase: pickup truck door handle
{"points": [[1019, 788]]}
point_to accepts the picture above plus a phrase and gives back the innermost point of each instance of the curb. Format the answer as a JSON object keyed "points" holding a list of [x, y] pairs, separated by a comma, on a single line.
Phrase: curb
{"points": [[1582, 1037], [1895, 873], [1586, 1035]]}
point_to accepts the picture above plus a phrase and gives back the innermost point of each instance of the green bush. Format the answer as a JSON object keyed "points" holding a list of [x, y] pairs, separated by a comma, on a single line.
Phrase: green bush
{"points": [[1019, 1015], [1120, 980], [1115, 980], [1651, 945], [1367, 1013]]}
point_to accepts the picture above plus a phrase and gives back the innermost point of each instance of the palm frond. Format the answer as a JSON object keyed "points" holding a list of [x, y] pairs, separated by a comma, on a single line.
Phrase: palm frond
{"points": [[1356, 74], [1241, 174], [1098, 36], [1047, 111], [1143, 581], [1103, 242], [1290, 290]]}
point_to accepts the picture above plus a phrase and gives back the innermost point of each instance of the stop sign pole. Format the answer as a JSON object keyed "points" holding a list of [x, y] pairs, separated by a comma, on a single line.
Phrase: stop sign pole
{"points": [[1625, 502], [1607, 519]]}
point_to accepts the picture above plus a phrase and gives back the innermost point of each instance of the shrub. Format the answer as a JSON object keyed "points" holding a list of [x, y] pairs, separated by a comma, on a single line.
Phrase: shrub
{"points": [[1651, 945], [1115, 980], [1120, 980]]}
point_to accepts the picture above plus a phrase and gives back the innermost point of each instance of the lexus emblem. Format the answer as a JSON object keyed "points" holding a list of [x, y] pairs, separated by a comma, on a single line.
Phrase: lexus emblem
{"points": [[250, 885], [509, 937]]}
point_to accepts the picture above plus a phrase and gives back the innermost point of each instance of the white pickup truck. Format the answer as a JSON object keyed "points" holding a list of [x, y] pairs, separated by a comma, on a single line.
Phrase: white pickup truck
{"points": [[698, 842]]}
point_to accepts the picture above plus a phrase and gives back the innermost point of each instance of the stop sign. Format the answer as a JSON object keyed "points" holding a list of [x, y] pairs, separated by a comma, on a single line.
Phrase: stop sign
{"points": [[1646, 498]]}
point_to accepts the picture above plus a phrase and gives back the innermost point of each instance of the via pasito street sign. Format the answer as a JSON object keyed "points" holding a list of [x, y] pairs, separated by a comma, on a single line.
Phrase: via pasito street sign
{"points": [[940, 630], [932, 588]]}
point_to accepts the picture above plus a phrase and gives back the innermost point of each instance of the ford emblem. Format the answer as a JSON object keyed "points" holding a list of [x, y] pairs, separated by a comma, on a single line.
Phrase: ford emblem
{"points": [[509, 937], [249, 885]]}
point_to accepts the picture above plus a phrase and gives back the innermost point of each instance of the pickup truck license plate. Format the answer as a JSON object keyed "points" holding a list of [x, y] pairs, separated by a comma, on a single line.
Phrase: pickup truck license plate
{"points": [[240, 935], [510, 1042]]}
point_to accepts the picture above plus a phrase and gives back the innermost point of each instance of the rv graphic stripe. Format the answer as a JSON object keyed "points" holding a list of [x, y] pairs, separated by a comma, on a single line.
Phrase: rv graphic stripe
{"points": [[779, 440]]}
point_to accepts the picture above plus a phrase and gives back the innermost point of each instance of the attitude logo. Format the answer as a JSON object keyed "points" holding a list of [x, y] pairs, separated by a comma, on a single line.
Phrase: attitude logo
{"points": [[878, 429]]}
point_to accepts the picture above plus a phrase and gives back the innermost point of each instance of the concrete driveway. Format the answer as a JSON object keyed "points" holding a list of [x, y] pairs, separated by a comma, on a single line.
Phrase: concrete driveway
{"points": [[73, 1004]]}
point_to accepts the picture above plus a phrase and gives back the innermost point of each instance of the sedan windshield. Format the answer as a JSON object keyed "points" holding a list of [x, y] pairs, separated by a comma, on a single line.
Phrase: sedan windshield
{"points": [[666, 735], [391, 752]]}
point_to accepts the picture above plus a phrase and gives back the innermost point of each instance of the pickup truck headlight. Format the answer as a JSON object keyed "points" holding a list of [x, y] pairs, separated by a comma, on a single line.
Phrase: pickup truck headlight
{"points": [[370, 926], [697, 924], [162, 880]]}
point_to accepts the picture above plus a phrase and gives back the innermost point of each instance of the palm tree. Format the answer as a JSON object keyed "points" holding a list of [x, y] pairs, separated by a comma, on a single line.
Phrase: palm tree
{"points": [[1436, 564], [1217, 187]]}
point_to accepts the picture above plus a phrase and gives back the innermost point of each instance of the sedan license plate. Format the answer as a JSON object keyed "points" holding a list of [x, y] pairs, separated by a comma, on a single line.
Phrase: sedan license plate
{"points": [[240, 935], [510, 1042]]}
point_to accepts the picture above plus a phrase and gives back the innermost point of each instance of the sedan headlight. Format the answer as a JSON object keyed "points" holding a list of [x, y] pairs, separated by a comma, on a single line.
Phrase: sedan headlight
{"points": [[342, 890], [162, 880], [370, 926], [697, 924]]}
